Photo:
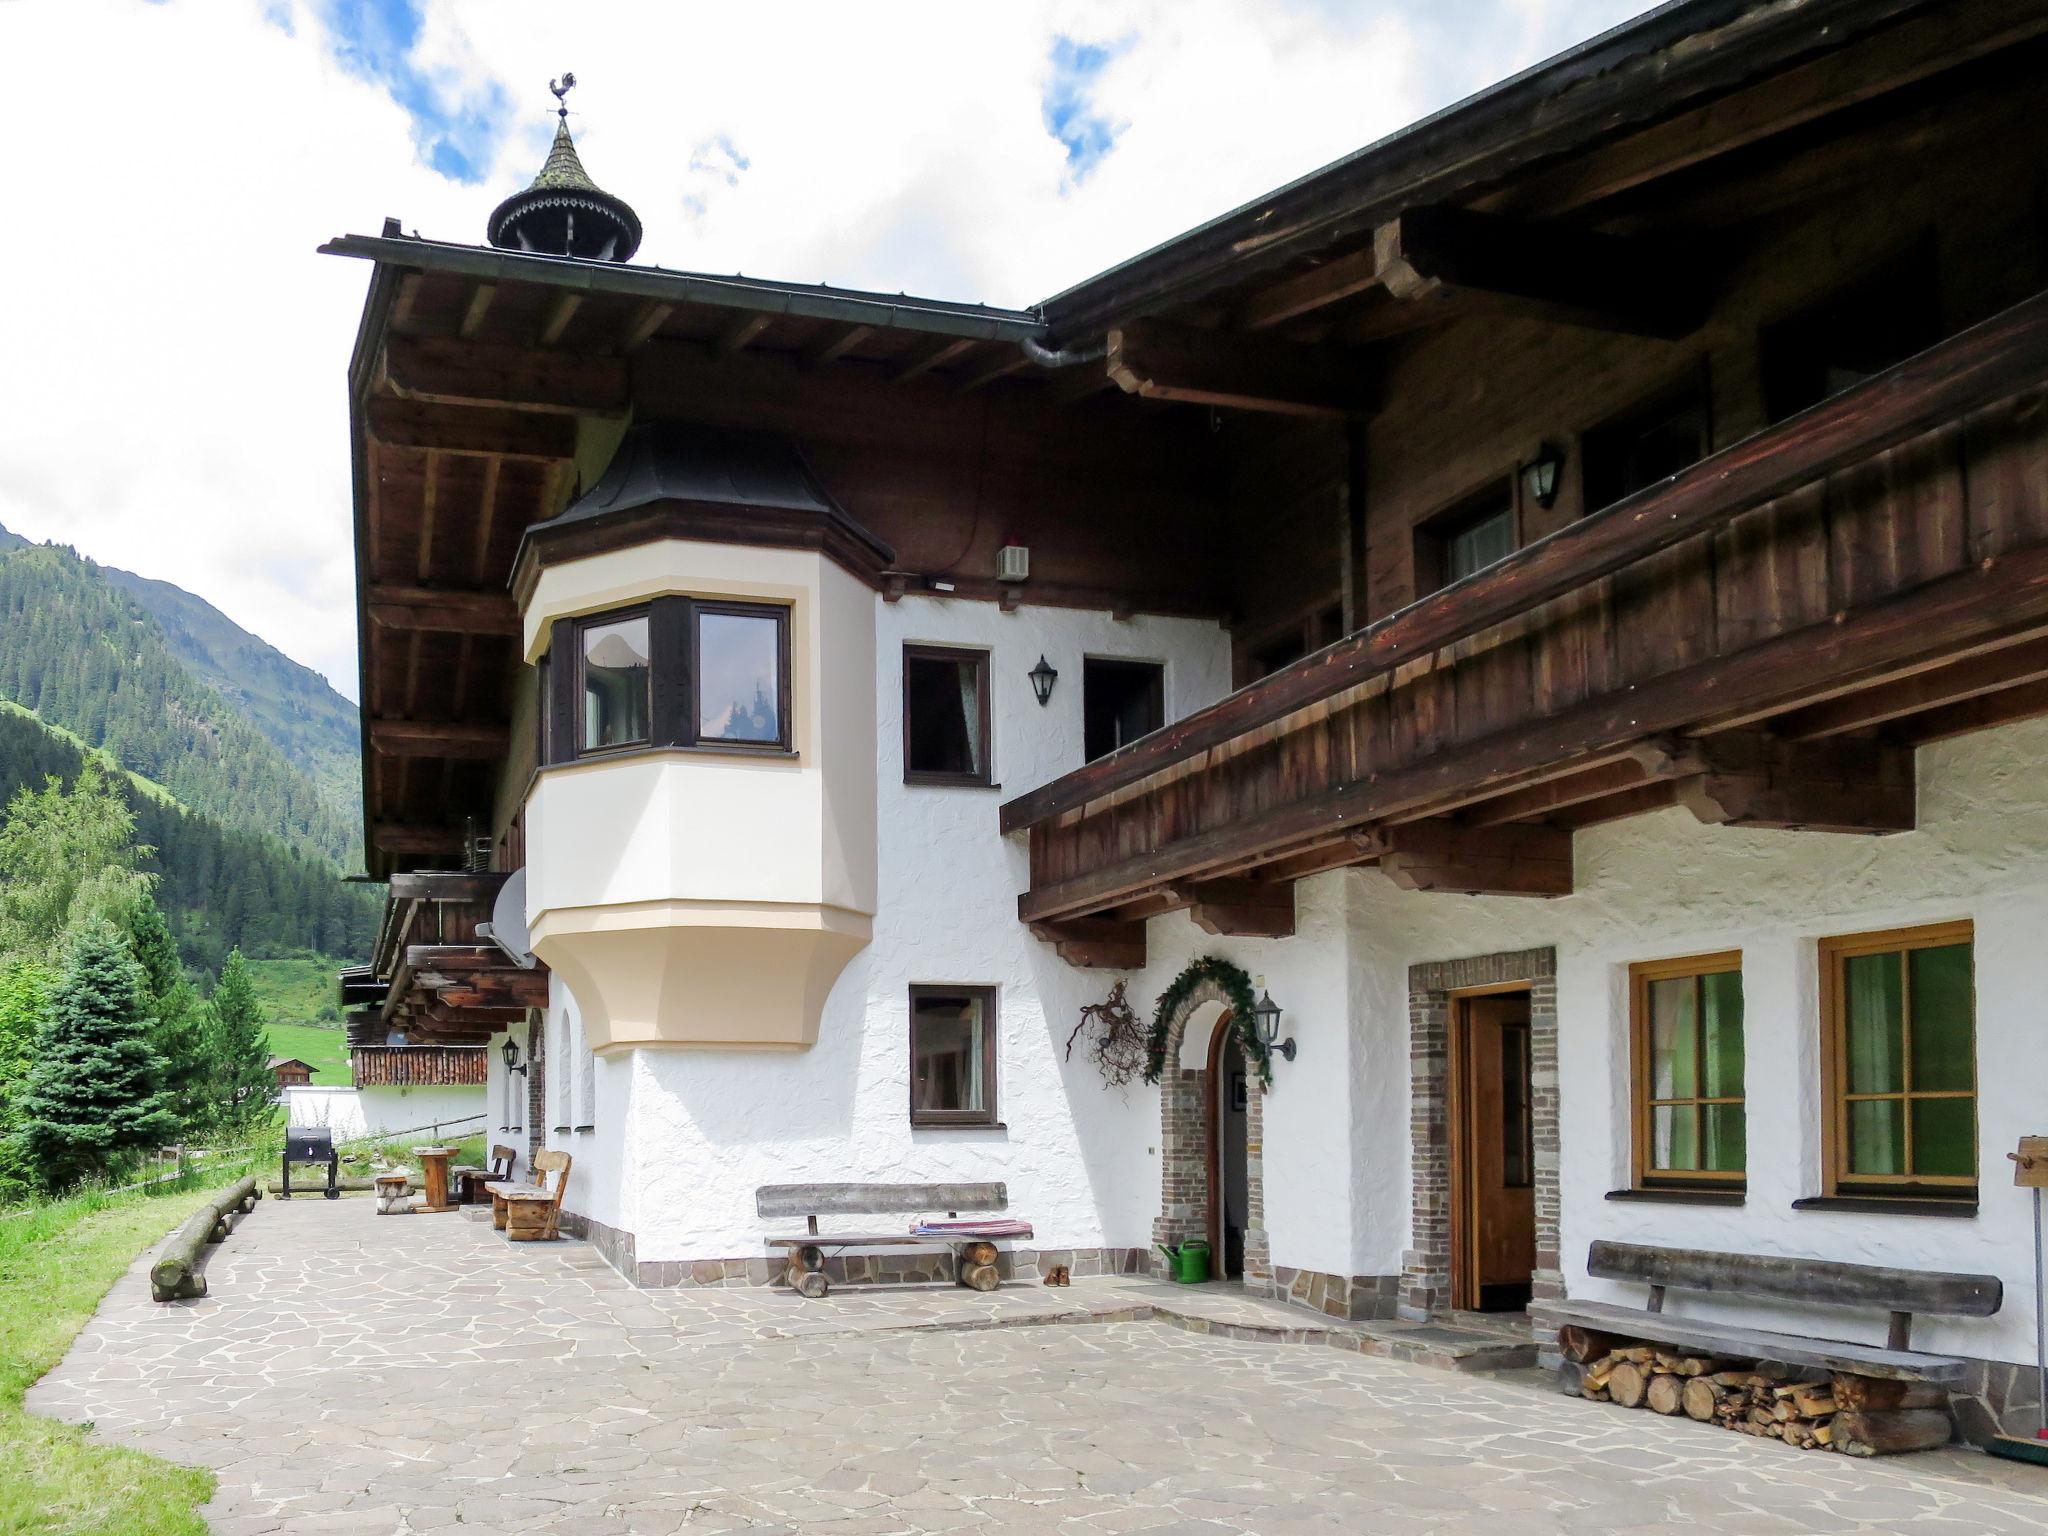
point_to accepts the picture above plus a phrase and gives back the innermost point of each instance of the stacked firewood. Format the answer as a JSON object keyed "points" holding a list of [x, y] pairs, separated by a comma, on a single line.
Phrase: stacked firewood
{"points": [[1858, 1415]]}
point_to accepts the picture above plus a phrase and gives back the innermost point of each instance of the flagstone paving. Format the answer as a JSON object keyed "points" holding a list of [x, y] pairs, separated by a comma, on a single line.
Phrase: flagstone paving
{"points": [[387, 1376]]}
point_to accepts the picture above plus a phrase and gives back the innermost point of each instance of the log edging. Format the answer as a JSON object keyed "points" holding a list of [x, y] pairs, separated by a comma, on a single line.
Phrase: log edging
{"points": [[175, 1274]]}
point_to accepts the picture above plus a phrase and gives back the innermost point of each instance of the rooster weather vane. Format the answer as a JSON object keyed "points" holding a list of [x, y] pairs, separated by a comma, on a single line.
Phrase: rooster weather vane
{"points": [[562, 88]]}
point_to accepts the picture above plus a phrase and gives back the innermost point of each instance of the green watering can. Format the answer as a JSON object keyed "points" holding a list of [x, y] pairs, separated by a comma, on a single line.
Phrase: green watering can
{"points": [[1190, 1261]]}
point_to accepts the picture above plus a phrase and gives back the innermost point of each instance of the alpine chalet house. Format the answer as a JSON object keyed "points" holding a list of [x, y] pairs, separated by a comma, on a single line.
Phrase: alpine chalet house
{"points": [[1557, 600]]}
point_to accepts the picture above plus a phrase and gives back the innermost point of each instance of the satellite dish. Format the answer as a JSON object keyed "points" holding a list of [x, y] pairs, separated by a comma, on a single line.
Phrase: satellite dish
{"points": [[507, 927]]}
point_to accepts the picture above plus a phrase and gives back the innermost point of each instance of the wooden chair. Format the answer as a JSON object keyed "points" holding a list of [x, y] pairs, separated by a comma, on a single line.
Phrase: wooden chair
{"points": [[471, 1181], [530, 1213]]}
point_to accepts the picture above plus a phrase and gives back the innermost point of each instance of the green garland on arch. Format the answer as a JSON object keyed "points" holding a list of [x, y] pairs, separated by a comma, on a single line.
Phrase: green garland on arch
{"points": [[1237, 987]]}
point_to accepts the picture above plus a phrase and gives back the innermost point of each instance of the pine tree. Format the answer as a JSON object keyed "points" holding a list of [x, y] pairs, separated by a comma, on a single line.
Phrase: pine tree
{"points": [[92, 1102], [177, 1032], [239, 1047]]}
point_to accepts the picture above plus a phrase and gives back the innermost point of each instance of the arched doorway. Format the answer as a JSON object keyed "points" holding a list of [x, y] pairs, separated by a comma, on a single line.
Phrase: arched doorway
{"points": [[1207, 1143], [1229, 1093]]}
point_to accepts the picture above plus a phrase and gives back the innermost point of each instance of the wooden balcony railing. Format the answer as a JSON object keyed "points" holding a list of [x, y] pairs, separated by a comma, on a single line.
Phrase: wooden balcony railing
{"points": [[1899, 528], [419, 1066]]}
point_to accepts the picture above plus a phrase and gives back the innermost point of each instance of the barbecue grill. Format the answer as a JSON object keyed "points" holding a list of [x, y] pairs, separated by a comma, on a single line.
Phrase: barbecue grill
{"points": [[310, 1144]]}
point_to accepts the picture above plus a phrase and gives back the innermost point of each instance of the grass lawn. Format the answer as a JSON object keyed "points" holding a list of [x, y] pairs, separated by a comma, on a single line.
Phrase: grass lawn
{"points": [[55, 1265], [295, 988], [324, 1050]]}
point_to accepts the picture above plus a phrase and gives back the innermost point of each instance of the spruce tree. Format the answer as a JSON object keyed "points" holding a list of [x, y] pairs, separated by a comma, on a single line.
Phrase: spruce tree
{"points": [[177, 1032], [244, 1087], [92, 1103]]}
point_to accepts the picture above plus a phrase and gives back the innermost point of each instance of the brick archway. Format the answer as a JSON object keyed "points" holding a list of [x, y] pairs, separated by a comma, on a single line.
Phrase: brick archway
{"points": [[1426, 1267], [1184, 1133]]}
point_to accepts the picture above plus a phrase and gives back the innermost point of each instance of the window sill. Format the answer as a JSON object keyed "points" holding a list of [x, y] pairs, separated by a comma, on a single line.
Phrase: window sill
{"points": [[958, 1125], [1680, 1196], [942, 781], [583, 1128], [1888, 1205], [636, 754]]}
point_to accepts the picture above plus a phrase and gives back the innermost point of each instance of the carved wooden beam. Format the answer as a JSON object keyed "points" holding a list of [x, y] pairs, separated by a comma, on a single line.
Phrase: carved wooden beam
{"points": [[437, 738], [1832, 786], [1096, 942], [461, 430], [1440, 855], [1575, 276], [1160, 361], [448, 371], [399, 837], [1239, 908], [454, 611]]}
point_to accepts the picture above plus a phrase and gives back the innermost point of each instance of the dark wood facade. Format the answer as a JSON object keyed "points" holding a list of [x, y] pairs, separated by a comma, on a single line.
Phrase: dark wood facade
{"points": [[442, 982], [1658, 261], [419, 1066]]}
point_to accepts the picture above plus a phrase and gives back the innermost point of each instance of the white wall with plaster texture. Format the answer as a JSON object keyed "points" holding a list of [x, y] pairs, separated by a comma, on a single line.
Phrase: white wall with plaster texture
{"points": [[1663, 885], [683, 1137]]}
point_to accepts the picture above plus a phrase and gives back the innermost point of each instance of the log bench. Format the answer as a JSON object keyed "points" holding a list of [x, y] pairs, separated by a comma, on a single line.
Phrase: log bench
{"points": [[972, 1244], [1901, 1393]]}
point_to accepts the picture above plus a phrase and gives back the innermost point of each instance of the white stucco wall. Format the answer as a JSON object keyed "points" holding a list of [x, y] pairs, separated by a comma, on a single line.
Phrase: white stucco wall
{"points": [[682, 1138], [355, 1113], [1663, 885]]}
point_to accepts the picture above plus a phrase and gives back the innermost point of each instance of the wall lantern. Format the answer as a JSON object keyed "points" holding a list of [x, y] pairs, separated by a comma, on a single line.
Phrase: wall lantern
{"points": [[510, 1051], [1043, 676], [1540, 475], [1266, 1019]]}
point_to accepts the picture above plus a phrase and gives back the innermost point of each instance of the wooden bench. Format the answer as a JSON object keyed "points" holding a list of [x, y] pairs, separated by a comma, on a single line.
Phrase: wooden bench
{"points": [[471, 1181], [973, 1245], [1907, 1389], [528, 1213]]}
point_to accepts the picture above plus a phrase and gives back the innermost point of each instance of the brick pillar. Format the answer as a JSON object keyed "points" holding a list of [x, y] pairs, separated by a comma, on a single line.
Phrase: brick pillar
{"points": [[1258, 1252], [1183, 1157], [536, 1082]]}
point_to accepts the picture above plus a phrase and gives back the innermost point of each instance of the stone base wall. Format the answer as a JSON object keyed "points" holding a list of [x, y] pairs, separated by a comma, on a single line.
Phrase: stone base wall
{"points": [[1999, 1398], [908, 1266], [1355, 1298]]}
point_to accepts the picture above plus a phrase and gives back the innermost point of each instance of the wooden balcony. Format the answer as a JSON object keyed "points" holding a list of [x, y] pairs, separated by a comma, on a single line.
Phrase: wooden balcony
{"points": [[1763, 638], [418, 1066], [444, 982]]}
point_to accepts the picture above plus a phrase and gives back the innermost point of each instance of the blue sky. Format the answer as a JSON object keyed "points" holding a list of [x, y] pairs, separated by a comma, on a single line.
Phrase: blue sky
{"points": [[458, 132]]}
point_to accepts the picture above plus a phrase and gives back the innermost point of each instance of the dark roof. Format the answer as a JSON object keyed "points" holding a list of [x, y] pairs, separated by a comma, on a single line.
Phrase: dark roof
{"points": [[669, 461], [1667, 60], [854, 306]]}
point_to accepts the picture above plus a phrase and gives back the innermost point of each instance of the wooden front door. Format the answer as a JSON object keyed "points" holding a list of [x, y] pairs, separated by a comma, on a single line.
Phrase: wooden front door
{"points": [[1493, 1174]]}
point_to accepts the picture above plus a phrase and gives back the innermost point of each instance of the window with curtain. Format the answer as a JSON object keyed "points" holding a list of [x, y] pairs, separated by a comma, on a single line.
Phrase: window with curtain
{"points": [[945, 716], [952, 1055], [1899, 1014], [1690, 1120]]}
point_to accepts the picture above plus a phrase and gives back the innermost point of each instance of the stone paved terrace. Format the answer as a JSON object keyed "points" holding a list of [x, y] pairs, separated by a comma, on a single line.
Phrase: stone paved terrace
{"points": [[369, 1375]]}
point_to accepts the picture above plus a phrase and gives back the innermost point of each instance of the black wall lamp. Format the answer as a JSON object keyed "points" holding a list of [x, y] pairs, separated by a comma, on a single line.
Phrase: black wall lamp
{"points": [[510, 1051], [1540, 476], [1266, 1019], [1043, 676]]}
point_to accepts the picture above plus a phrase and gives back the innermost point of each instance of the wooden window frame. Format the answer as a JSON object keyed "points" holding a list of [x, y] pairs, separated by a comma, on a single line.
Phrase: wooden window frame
{"points": [[696, 608], [578, 695], [672, 706], [1432, 535], [1155, 685], [1835, 1176], [984, 776], [1643, 1175], [941, 1119]]}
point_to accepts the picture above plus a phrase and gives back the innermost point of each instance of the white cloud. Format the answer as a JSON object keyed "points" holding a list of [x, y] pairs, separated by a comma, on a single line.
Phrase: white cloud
{"points": [[173, 396]]}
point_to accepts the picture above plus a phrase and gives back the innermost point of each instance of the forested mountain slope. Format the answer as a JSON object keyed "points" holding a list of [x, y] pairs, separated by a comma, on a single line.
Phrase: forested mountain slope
{"points": [[315, 728], [220, 887], [87, 655]]}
